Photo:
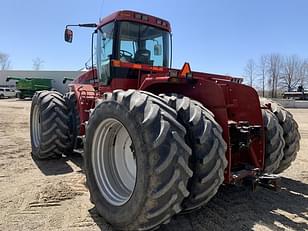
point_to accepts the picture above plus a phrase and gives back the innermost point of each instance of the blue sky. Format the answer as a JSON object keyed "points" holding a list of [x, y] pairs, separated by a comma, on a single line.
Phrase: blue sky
{"points": [[216, 36]]}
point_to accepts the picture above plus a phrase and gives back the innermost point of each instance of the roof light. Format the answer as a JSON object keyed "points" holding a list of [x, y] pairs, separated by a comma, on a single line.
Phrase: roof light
{"points": [[145, 17], [164, 23], [138, 16], [158, 21]]}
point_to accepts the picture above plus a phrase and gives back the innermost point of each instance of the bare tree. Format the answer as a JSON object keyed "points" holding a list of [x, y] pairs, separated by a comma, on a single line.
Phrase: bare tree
{"points": [[37, 63], [4, 61], [274, 72], [303, 73], [250, 71], [291, 68], [262, 71]]}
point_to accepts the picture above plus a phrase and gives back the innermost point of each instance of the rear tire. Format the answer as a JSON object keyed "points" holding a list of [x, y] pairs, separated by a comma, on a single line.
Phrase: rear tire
{"points": [[48, 125], [291, 134], [160, 154], [204, 136], [274, 142]]}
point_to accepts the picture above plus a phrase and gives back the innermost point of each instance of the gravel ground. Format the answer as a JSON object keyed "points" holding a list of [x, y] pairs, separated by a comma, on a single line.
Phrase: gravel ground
{"points": [[51, 195]]}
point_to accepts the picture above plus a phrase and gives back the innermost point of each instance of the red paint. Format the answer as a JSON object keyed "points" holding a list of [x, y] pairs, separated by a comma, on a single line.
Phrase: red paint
{"points": [[225, 96], [228, 100]]}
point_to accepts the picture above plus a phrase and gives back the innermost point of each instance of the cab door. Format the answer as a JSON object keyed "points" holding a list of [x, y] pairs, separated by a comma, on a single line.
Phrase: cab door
{"points": [[105, 47]]}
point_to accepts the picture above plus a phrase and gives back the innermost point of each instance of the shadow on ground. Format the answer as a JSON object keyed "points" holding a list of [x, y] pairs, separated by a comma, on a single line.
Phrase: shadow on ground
{"points": [[236, 208], [59, 166], [233, 208]]}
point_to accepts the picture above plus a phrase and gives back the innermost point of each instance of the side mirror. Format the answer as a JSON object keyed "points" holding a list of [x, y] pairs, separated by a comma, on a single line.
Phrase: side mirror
{"points": [[68, 35], [157, 50]]}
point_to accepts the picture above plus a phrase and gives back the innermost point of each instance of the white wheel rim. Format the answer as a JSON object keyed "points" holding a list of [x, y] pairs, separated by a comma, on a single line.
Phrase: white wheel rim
{"points": [[113, 161], [36, 126]]}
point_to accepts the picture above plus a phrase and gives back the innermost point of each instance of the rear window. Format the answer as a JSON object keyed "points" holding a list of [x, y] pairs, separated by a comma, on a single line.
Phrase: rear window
{"points": [[1, 89]]}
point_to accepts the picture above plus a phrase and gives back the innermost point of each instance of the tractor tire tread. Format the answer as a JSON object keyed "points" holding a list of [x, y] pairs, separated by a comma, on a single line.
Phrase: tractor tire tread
{"points": [[54, 136], [169, 174], [274, 142], [73, 118], [291, 133], [204, 136]]}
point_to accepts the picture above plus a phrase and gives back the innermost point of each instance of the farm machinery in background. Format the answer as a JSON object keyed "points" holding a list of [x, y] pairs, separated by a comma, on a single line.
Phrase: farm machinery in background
{"points": [[28, 86], [299, 94], [158, 140]]}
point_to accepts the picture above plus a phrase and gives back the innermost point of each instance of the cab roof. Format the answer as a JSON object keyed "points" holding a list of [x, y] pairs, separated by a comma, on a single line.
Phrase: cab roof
{"points": [[128, 15]]}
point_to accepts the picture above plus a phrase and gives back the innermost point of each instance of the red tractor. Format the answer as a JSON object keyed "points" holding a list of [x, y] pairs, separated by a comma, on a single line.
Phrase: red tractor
{"points": [[157, 140]]}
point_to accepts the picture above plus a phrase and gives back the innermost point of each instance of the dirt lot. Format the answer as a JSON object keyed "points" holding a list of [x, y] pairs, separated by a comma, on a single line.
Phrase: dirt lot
{"points": [[51, 195]]}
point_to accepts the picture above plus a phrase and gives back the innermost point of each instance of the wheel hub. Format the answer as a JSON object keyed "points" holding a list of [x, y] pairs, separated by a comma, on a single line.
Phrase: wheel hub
{"points": [[114, 162]]}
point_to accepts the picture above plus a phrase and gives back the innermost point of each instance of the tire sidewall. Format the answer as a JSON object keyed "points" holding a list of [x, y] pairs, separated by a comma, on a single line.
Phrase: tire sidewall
{"points": [[36, 102], [119, 216]]}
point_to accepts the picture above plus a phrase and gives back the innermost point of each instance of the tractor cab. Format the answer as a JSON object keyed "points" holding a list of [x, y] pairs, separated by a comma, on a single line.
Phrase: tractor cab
{"points": [[129, 45]]}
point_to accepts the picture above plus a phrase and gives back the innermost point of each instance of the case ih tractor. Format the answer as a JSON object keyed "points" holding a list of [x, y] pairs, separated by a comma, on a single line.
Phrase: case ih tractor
{"points": [[157, 140]]}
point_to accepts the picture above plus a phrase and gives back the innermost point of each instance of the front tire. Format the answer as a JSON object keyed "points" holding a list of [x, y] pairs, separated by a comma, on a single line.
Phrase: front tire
{"points": [[48, 125], [157, 184]]}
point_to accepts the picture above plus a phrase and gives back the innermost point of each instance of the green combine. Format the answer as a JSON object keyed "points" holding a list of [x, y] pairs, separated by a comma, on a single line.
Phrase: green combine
{"points": [[28, 86]]}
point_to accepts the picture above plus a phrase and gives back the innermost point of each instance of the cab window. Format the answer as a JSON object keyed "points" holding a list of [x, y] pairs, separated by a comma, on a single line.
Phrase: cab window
{"points": [[143, 44], [104, 54]]}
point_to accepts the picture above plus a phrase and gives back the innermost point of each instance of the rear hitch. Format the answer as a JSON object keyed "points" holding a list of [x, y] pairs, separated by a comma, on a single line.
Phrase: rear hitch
{"points": [[252, 179], [269, 181]]}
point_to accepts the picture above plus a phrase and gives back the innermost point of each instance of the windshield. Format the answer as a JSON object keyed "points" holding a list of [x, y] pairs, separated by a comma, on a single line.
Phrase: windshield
{"points": [[143, 44]]}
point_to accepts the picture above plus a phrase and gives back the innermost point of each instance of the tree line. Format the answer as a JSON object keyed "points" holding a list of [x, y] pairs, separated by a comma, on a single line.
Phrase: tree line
{"points": [[5, 62], [275, 73]]}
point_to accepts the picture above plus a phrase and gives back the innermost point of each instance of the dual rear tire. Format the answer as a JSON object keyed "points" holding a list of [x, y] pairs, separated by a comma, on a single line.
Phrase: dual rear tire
{"points": [[204, 136], [49, 129], [164, 178], [288, 134], [55, 124]]}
